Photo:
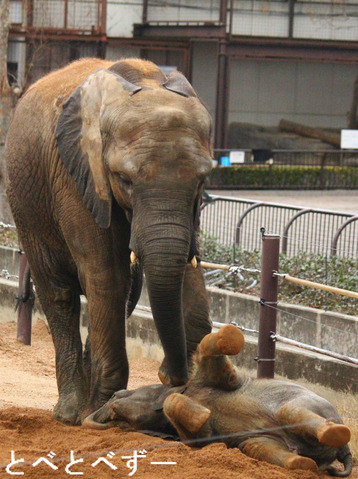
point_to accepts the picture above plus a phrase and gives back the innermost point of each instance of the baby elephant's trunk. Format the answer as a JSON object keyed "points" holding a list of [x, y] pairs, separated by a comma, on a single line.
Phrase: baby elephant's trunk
{"points": [[345, 457]]}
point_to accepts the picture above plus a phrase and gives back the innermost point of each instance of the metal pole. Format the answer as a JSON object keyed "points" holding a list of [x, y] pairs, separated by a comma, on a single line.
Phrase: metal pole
{"points": [[25, 302], [269, 284]]}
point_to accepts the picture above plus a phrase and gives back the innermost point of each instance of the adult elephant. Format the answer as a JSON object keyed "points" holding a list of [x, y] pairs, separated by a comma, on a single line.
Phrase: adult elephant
{"points": [[106, 163]]}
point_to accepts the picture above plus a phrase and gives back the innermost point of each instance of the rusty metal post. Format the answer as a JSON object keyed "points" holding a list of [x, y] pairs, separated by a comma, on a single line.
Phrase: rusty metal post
{"points": [[25, 302], [269, 285]]}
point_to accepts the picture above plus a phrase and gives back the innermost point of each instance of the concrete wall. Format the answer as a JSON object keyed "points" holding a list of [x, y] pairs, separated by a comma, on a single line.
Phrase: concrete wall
{"points": [[143, 341], [327, 330], [290, 363], [205, 72], [317, 94], [9, 260]]}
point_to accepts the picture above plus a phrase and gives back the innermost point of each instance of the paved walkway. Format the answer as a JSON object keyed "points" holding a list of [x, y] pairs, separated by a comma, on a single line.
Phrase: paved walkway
{"points": [[339, 200]]}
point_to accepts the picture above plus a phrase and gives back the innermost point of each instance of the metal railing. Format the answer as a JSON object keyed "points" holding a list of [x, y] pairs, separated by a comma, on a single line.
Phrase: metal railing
{"points": [[237, 221]]}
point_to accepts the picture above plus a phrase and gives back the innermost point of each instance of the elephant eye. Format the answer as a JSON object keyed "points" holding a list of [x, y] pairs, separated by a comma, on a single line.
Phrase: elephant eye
{"points": [[124, 179]]}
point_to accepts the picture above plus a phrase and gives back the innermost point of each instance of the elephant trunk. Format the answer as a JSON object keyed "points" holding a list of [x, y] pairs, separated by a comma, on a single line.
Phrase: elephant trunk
{"points": [[163, 242], [345, 457]]}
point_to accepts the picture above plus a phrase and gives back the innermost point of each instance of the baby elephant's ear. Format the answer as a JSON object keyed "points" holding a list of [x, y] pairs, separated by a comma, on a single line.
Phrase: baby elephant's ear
{"points": [[79, 139], [177, 83]]}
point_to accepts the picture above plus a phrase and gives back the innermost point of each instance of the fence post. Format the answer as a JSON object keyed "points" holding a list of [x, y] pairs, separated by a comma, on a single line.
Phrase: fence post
{"points": [[269, 284], [25, 302]]}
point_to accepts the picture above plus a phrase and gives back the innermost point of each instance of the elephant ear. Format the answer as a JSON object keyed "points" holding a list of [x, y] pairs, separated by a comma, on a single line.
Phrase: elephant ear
{"points": [[79, 138], [177, 83]]}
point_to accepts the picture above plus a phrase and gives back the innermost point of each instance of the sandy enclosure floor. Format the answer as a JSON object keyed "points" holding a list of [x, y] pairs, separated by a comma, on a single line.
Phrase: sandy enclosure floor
{"points": [[27, 394]]}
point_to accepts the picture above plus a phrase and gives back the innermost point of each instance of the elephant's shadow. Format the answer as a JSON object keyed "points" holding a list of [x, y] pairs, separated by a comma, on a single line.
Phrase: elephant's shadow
{"points": [[276, 421]]}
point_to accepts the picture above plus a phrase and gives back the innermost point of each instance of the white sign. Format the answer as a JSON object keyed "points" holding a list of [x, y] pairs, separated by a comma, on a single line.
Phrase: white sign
{"points": [[349, 139], [237, 157]]}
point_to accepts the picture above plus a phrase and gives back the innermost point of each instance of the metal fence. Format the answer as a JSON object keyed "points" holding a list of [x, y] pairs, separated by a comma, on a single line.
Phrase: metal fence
{"points": [[236, 221]]}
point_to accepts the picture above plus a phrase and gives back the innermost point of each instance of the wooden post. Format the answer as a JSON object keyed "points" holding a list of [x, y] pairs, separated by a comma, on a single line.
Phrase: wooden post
{"points": [[269, 285]]}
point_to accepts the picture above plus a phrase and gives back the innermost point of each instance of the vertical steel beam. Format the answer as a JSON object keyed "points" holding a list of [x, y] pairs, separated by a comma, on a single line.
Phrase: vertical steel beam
{"points": [[222, 83], [268, 313], [231, 18], [189, 53], [103, 20], [291, 16], [65, 23], [222, 96], [145, 12], [30, 13], [223, 12], [25, 302]]}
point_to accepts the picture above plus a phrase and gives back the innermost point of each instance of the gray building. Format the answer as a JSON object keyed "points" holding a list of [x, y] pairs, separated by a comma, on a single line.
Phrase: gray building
{"points": [[254, 61]]}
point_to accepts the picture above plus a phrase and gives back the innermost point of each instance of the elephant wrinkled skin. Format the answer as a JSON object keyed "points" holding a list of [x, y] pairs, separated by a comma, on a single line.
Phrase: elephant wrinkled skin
{"points": [[106, 162], [275, 421]]}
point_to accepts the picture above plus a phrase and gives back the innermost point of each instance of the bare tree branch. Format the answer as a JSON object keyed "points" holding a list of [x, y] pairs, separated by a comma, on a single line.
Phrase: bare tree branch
{"points": [[4, 33]]}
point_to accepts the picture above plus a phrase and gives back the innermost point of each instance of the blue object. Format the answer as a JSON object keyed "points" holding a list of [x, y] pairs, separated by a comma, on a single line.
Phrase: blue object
{"points": [[225, 161]]}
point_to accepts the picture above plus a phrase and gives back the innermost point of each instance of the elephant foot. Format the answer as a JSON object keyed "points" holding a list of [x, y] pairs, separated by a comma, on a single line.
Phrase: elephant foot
{"points": [[106, 416], [163, 374], [334, 435], [229, 340], [183, 411], [68, 409], [300, 462]]}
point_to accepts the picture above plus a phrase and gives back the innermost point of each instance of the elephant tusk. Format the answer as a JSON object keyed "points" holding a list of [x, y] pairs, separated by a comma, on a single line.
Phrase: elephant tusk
{"points": [[194, 262], [133, 257]]}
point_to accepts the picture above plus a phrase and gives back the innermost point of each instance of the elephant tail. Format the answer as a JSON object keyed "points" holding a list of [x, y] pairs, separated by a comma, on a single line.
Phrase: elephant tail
{"points": [[345, 457], [25, 293]]}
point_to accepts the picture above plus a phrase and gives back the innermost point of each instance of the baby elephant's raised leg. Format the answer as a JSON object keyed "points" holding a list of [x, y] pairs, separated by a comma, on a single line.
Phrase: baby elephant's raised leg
{"points": [[189, 418], [214, 368], [229, 340], [276, 452], [306, 422]]}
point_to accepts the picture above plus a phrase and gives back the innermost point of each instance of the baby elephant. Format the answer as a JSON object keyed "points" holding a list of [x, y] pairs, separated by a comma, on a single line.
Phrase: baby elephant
{"points": [[275, 421]]}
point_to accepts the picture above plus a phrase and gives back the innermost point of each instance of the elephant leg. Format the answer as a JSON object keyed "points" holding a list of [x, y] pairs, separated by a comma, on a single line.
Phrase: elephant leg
{"points": [[276, 452], [213, 367], [108, 359], [189, 418], [61, 304], [196, 314], [87, 358], [305, 422], [229, 340], [57, 287]]}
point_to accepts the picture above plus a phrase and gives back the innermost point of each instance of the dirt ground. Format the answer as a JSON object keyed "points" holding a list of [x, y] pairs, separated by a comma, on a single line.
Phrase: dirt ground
{"points": [[27, 395]]}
